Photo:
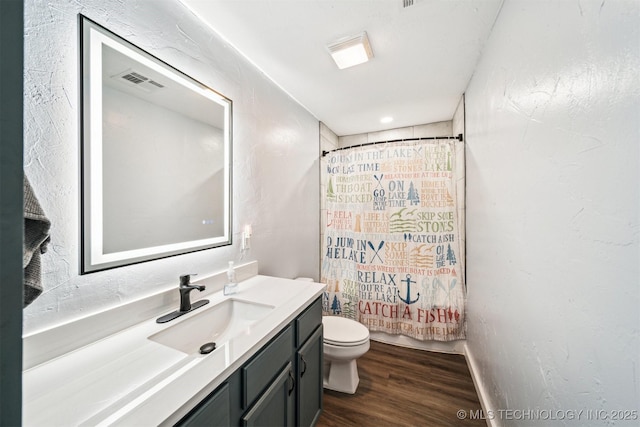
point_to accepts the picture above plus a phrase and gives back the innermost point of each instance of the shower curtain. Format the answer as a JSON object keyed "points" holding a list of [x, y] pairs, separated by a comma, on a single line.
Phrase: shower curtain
{"points": [[392, 252]]}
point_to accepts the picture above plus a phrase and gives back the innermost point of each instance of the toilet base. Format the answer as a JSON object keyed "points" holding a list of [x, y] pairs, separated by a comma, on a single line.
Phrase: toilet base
{"points": [[341, 376]]}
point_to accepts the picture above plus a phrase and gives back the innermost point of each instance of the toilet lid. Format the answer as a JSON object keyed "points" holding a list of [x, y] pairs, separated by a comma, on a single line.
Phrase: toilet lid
{"points": [[342, 331]]}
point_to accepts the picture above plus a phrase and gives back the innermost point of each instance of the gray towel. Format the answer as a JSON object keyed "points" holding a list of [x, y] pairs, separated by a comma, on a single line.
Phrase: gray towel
{"points": [[36, 238]]}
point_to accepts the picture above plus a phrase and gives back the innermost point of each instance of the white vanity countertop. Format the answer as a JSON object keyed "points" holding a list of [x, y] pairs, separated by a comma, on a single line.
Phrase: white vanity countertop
{"points": [[127, 379]]}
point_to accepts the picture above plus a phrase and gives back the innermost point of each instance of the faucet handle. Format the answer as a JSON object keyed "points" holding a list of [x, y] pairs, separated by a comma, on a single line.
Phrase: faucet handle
{"points": [[185, 279]]}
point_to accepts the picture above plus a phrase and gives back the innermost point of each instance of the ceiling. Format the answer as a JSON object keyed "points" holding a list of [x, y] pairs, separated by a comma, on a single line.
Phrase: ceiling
{"points": [[424, 54]]}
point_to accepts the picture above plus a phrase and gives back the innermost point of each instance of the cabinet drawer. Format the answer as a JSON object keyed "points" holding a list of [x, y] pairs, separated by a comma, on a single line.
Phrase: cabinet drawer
{"points": [[308, 321], [259, 372]]}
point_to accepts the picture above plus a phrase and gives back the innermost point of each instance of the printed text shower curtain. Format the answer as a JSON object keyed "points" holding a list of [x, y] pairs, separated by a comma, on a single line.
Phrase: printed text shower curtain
{"points": [[392, 252]]}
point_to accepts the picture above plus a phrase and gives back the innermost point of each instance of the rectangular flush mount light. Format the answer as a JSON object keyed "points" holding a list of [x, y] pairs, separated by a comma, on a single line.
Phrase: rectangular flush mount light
{"points": [[351, 51]]}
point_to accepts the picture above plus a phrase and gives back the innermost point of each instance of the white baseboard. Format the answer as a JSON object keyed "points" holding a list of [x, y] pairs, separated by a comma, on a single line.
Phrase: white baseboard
{"points": [[485, 401]]}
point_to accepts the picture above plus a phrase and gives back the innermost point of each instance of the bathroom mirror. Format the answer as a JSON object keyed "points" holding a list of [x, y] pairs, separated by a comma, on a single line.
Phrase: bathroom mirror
{"points": [[156, 156]]}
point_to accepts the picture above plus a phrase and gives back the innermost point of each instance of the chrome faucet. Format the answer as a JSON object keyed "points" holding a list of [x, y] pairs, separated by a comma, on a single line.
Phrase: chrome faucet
{"points": [[185, 289]]}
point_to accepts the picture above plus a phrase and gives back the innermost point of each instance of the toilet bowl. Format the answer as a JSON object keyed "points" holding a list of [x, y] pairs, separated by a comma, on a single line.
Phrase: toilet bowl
{"points": [[344, 341]]}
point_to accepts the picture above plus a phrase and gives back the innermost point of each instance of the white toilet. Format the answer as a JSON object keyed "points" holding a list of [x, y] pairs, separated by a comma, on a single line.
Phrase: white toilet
{"points": [[344, 341]]}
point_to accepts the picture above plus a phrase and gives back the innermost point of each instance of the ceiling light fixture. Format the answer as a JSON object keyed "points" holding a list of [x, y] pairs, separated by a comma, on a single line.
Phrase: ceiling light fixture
{"points": [[350, 51], [386, 119]]}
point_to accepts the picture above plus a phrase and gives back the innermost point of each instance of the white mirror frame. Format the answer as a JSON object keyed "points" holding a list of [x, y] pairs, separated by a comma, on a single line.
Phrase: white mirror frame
{"points": [[93, 258]]}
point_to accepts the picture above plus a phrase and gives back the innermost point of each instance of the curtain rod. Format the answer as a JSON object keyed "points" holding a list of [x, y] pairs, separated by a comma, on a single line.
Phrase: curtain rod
{"points": [[459, 138]]}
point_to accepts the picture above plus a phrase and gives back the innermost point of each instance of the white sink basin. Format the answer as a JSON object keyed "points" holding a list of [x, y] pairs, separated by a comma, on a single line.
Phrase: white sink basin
{"points": [[217, 323]]}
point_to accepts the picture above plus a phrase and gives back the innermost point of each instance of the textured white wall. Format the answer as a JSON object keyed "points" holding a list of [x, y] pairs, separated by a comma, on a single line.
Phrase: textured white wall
{"points": [[553, 192], [275, 176]]}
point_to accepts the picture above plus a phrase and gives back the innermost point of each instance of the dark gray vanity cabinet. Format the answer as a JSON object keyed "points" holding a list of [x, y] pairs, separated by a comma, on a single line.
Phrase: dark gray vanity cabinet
{"points": [[281, 385]]}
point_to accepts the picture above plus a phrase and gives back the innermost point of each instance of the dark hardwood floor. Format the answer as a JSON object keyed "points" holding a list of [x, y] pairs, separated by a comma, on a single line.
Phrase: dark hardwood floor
{"points": [[405, 387]]}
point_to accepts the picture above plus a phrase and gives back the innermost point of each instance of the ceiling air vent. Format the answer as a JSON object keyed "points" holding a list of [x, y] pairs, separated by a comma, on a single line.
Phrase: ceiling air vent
{"points": [[409, 3], [134, 78], [152, 82]]}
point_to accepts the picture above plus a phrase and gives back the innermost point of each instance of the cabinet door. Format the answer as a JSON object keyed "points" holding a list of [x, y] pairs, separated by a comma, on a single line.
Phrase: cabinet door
{"points": [[213, 411], [276, 405], [309, 375]]}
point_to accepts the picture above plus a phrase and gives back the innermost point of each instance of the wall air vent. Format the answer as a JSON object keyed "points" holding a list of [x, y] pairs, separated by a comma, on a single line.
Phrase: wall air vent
{"points": [[136, 79]]}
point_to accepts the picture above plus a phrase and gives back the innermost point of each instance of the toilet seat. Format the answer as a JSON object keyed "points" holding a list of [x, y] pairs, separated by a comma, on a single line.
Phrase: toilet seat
{"points": [[349, 344], [343, 332]]}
